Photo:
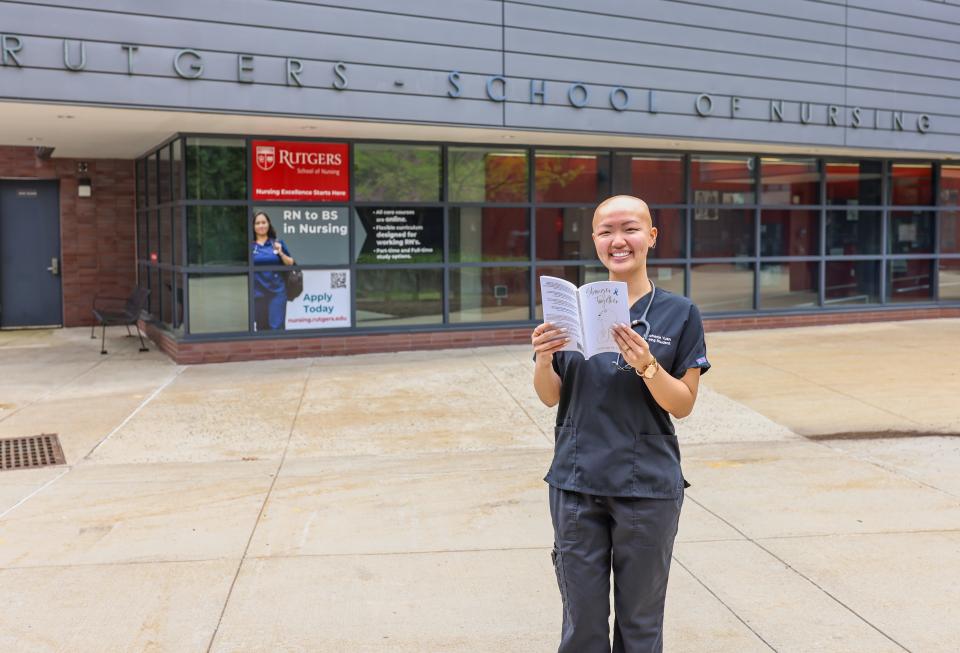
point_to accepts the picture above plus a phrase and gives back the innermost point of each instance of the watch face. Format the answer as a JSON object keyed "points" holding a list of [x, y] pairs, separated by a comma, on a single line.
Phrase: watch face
{"points": [[650, 370]]}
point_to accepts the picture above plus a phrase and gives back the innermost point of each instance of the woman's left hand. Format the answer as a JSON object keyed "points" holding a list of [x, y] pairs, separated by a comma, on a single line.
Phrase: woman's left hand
{"points": [[633, 348]]}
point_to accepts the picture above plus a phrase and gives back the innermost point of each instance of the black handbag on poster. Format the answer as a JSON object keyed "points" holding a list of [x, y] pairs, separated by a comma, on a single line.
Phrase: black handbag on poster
{"points": [[294, 282]]}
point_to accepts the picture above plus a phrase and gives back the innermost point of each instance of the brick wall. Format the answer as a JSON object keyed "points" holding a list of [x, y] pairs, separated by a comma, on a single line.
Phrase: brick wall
{"points": [[97, 234], [188, 353]]}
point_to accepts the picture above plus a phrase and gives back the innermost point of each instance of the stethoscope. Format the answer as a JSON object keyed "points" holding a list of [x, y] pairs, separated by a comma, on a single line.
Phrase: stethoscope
{"points": [[642, 321], [643, 317]]}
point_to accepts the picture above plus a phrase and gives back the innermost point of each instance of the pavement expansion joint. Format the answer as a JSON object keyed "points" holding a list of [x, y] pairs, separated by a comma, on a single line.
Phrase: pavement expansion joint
{"points": [[263, 506], [757, 543]]}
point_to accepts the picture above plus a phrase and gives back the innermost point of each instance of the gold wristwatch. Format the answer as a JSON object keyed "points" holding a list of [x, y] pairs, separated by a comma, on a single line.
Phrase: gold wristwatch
{"points": [[649, 371]]}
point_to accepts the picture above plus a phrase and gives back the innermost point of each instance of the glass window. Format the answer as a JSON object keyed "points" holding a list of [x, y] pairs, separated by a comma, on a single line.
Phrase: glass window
{"points": [[151, 180], [165, 253], [852, 282], [487, 175], [396, 172], [949, 280], [399, 235], [143, 237], [722, 232], [218, 303], [950, 185], [911, 184], [153, 228], [854, 182], [910, 280], [950, 233], [726, 180], [911, 232], [488, 234], [789, 181], [163, 174], [852, 232], [656, 179], [789, 285], [216, 168], [216, 235], [489, 294], [399, 297], [789, 233], [575, 274], [166, 297], [141, 172], [314, 235], [670, 229], [565, 234], [153, 300], [722, 287], [176, 236], [571, 176], [668, 277], [176, 149]]}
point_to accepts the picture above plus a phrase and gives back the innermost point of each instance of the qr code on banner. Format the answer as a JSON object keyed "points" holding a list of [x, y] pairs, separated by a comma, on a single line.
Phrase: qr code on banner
{"points": [[338, 280]]}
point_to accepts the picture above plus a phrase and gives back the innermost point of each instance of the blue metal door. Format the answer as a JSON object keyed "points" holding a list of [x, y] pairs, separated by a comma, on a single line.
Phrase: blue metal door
{"points": [[30, 293]]}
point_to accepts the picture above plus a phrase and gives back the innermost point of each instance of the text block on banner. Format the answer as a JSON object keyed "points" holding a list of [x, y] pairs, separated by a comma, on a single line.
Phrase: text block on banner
{"points": [[300, 171], [324, 302]]}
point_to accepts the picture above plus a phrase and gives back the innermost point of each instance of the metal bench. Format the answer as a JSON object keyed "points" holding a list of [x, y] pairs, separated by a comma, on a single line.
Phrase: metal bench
{"points": [[114, 311]]}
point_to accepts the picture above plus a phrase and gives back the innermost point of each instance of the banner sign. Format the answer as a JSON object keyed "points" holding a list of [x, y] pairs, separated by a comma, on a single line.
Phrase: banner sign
{"points": [[300, 171], [400, 235], [324, 302], [314, 235]]}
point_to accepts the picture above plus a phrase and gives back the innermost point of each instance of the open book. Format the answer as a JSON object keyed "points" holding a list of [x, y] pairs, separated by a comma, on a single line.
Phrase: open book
{"points": [[587, 313]]}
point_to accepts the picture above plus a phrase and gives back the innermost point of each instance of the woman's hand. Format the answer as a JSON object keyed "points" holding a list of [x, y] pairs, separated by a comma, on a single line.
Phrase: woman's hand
{"points": [[548, 339], [277, 249], [633, 348]]}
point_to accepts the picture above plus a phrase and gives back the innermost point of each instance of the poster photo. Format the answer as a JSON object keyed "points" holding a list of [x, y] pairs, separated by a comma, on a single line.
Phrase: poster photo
{"points": [[324, 302]]}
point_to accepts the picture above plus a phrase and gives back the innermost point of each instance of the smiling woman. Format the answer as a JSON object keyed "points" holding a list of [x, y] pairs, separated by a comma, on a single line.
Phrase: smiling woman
{"points": [[616, 466]]}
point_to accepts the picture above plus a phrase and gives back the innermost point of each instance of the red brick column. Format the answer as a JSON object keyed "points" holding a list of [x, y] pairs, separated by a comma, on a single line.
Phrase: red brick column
{"points": [[97, 234]]}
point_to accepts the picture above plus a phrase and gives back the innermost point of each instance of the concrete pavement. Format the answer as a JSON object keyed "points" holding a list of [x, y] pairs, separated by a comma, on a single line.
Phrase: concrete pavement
{"points": [[393, 502]]}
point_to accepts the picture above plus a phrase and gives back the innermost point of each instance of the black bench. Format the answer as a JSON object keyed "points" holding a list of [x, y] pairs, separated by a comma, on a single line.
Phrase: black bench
{"points": [[112, 311]]}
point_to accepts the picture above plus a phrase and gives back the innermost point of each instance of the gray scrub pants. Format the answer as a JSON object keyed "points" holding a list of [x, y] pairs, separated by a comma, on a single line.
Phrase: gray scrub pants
{"points": [[634, 538]]}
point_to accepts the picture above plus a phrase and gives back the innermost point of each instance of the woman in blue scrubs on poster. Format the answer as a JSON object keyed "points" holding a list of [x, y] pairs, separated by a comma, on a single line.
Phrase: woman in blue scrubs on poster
{"points": [[269, 287]]}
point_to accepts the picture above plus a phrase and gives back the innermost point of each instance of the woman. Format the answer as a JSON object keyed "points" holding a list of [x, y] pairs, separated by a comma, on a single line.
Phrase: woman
{"points": [[615, 482], [269, 288]]}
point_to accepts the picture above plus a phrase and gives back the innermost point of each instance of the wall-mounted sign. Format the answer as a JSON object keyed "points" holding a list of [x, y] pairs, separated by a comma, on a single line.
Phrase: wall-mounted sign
{"points": [[324, 302], [300, 171], [189, 65], [400, 235], [315, 235]]}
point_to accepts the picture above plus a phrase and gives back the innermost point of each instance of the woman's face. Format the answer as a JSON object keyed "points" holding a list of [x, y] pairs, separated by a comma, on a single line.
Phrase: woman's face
{"points": [[623, 236], [261, 226]]}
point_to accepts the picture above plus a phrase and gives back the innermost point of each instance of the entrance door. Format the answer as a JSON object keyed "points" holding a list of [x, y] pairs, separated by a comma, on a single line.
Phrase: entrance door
{"points": [[30, 294]]}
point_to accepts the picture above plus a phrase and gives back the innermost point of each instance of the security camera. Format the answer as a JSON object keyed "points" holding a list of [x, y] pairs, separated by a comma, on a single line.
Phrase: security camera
{"points": [[43, 152]]}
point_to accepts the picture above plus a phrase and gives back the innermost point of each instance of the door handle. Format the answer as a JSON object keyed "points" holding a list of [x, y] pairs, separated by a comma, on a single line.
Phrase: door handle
{"points": [[54, 268]]}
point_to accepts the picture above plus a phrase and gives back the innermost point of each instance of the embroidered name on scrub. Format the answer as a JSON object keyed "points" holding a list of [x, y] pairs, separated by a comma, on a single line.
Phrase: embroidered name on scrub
{"points": [[660, 340]]}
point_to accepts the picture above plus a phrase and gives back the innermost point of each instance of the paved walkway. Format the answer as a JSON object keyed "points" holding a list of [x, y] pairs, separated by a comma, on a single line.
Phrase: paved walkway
{"points": [[394, 502]]}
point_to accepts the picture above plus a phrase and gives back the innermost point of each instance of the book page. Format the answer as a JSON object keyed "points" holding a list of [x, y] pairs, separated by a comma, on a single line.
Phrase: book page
{"points": [[603, 304], [561, 308]]}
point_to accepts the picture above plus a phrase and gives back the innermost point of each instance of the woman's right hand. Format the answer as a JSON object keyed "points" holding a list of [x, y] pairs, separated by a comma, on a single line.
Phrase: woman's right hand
{"points": [[547, 339]]}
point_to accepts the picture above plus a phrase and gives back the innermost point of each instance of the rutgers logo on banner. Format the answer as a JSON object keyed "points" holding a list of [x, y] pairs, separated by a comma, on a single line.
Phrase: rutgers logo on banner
{"points": [[300, 171], [266, 156]]}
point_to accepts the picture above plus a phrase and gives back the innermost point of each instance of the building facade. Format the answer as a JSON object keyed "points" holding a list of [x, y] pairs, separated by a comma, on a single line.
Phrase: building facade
{"points": [[426, 163]]}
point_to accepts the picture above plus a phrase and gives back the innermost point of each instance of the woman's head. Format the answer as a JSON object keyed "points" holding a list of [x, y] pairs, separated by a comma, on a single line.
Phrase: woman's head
{"points": [[262, 226], [623, 232]]}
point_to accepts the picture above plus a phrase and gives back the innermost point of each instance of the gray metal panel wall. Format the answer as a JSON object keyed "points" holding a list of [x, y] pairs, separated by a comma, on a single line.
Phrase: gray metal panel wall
{"points": [[891, 55]]}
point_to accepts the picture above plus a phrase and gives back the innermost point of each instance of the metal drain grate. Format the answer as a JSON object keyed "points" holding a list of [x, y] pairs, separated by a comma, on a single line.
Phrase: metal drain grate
{"points": [[32, 451]]}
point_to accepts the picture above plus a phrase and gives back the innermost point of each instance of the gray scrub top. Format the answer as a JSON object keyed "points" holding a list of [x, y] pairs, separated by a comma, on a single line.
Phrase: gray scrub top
{"points": [[612, 438]]}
